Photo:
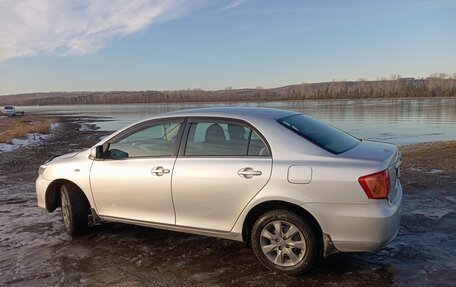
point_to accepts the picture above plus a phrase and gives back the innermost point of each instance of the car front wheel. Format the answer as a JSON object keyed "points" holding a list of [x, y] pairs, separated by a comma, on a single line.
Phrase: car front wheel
{"points": [[74, 209], [284, 242]]}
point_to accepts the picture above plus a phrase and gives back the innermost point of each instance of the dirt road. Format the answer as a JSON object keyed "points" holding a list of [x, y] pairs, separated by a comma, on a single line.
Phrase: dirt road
{"points": [[35, 250]]}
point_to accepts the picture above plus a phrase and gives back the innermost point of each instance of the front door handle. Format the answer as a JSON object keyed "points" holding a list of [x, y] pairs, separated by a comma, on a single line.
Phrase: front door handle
{"points": [[248, 172], [159, 171]]}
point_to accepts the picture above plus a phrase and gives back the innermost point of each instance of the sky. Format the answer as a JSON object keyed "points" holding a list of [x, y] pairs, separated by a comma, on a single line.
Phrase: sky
{"points": [[105, 45]]}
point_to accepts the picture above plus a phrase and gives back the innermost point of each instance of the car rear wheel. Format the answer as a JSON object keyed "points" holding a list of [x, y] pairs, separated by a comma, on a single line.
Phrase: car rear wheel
{"points": [[74, 209], [284, 242]]}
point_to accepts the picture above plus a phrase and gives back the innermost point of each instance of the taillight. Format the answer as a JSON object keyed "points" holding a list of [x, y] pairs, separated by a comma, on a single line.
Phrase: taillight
{"points": [[376, 185]]}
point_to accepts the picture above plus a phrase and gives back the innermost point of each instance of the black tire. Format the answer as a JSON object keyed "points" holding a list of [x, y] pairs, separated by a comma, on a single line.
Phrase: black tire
{"points": [[307, 256], [75, 209]]}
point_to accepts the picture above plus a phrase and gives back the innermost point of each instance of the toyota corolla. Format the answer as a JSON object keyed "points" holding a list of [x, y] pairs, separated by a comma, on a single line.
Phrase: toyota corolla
{"points": [[292, 187]]}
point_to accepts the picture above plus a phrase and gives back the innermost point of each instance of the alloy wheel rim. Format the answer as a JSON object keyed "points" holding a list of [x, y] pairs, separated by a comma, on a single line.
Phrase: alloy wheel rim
{"points": [[282, 243], [65, 209]]}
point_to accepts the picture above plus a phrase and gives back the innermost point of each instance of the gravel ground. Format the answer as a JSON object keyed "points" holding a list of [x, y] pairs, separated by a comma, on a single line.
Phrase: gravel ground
{"points": [[35, 250]]}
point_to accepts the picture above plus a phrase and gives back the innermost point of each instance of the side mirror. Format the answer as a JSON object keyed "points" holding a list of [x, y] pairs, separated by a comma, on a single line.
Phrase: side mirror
{"points": [[96, 152], [99, 151]]}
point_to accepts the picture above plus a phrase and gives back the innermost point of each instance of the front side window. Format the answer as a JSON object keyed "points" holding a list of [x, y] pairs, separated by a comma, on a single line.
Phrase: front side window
{"points": [[157, 140], [223, 139], [319, 133]]}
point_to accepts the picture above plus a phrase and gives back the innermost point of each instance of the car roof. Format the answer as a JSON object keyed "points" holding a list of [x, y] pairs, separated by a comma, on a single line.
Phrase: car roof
{"points": [[243, 112]]}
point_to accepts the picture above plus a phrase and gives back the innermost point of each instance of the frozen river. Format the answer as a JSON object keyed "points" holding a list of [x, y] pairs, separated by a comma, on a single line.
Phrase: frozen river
{"points": [[402, 121]]}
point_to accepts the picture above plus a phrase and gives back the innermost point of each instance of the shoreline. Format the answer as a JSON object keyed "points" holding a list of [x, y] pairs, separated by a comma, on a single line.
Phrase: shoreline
{"points": [[85, 124], [248, 102], [35, 129], [429, 164]]}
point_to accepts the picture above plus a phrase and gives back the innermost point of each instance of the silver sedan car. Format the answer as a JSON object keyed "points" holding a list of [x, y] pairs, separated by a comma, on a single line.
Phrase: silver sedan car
{"points": [[293, 188]]}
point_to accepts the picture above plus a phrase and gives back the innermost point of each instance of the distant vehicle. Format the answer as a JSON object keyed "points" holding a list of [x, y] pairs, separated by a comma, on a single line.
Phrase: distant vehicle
{"points": [[292, 187], [10, 111]]}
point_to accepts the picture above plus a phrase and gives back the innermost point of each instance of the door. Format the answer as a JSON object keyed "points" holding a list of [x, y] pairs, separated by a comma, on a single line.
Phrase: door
{"points": [[221, 167], [133, 181]]}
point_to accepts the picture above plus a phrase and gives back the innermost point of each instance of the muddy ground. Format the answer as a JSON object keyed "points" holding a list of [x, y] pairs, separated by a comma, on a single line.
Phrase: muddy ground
{"points": [[35, 250]]}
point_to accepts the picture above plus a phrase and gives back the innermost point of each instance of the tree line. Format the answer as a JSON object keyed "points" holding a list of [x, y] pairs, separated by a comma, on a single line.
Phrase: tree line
{"points": [[437, 85]]}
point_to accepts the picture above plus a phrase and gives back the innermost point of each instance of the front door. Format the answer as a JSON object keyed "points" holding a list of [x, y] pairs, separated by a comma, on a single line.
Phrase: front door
{"points": [[223, 165], [133, 182]]}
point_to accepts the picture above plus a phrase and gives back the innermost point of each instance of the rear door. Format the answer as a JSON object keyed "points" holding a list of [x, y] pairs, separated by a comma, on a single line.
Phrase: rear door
{"points": [[221, 166]]}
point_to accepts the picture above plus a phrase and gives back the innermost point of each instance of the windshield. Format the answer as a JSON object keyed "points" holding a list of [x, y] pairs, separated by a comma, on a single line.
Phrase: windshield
{"points": [[319, 133]]}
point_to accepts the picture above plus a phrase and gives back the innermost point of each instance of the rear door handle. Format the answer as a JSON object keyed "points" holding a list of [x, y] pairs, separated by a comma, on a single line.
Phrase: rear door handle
{"points": [[248, 172], [159, 171]]}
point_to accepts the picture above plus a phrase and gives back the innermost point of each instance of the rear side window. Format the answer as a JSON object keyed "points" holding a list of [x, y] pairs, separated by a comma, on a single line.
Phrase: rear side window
{"points": [[319, 133], [223, 139]]}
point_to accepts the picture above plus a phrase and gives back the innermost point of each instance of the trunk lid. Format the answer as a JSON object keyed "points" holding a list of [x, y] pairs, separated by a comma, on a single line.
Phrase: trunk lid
{"points": [[371, 150]]}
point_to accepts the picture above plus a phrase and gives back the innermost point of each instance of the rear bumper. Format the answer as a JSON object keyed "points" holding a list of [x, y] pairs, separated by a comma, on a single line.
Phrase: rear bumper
{"points": [[354, 228]]}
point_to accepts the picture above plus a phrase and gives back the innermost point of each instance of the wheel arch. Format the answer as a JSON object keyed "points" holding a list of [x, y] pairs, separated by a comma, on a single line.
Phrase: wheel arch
{"points": [[52, 197], [266, 206]]}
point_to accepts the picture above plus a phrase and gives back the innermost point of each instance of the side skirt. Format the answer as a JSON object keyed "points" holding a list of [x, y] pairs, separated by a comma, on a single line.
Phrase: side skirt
{"points": [[178, 228]]}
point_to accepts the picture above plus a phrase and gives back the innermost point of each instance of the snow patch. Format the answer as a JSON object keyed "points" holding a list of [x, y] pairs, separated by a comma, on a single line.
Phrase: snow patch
{"points": [[30, 139], [432, 171], [86, 127]]}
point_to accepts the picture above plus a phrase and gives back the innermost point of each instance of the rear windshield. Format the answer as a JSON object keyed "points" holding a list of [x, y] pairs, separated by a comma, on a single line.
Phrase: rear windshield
{"points": [[319, 133]]}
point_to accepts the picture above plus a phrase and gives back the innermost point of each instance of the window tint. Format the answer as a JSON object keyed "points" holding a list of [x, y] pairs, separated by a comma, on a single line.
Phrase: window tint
{"points": [[319, 133], [156, 140], [223, 139], [257, 146]]}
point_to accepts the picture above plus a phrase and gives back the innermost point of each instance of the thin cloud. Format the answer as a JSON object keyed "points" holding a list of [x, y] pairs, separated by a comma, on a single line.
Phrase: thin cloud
{"points": [[233, 4], [77, 27], [246, 27]]}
